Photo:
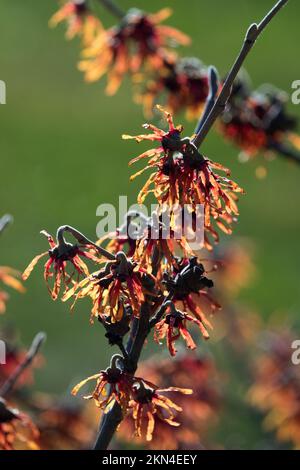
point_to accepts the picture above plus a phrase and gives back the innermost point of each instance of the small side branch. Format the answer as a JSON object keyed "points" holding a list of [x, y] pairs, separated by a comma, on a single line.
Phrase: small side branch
{"points": [[211, 99], [252, 34], [284, 151], [113, 8], [5, 221], [37, 342]]}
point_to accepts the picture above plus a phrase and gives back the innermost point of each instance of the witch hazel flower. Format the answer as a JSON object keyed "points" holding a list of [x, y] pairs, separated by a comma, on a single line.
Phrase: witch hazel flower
{"points": [[61, 255], [79, 20], [182, 176]]}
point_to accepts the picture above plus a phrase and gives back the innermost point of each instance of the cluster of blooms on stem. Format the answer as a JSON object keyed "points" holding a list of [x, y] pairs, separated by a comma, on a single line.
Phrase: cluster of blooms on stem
{"points": [[139, 41], [118, 284], [174, 325], [182, 81], [182, 176], [60, 254], [199, 409], [80, 21], [257, 121], [276, 386], [143, 399], [16, 429]]}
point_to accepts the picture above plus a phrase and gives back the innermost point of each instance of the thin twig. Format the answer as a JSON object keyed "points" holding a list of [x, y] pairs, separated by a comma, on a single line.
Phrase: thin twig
{"points": [[113, 8], [285, 151], [37, 342], [5, 221], [211, 98], [252, 34]]}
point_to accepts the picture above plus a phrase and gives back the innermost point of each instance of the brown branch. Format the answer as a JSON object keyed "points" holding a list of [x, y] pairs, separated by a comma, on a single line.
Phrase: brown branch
{"points": [[252, 34], [113, 418], [37, 342], [113, 8], [211, 98]]}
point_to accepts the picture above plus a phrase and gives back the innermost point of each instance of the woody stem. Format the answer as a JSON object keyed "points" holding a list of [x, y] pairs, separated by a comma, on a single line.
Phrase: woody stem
{"points": [[252, 34], [211, 99], [113, 418]]}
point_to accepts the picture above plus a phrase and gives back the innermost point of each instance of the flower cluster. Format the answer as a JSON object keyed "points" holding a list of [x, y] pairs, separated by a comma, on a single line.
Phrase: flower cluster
{"points": [[119, 284], [174, 325], [64, 424], [138, 42], [9, 277], [257, 121], [199, 409], [276, 388], [143, 399], [182, 82], [182, 176], [155, 284], [60, 255], [188, 286], [80, 21], [17, 431]]}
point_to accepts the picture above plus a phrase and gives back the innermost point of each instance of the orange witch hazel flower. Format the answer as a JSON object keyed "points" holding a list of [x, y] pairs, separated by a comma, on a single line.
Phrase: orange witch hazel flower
{"points": [[257, 121], [139, 39], [64, 424], [158, 242], [120, 283], [149, 402], [60, 254], [188, 286], [112, 385], [276, 386], [183, 81], [199, 411], [182, 176], [17, 431], [174, 325], [9, 277], [142, 398], [80, 21], [149, 244]]}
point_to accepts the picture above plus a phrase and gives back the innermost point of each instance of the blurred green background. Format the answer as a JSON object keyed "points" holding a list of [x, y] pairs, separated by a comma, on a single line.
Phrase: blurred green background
{"points": [[62, 156]]}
